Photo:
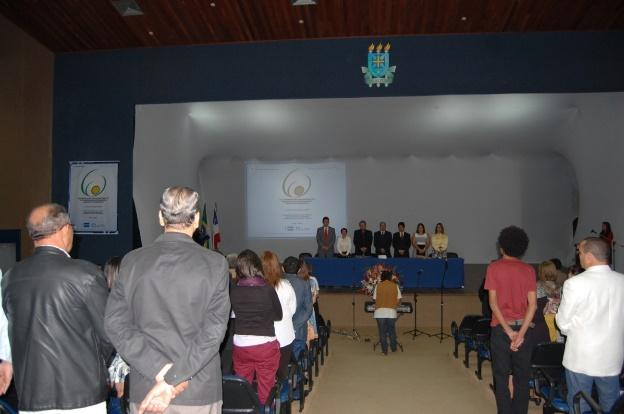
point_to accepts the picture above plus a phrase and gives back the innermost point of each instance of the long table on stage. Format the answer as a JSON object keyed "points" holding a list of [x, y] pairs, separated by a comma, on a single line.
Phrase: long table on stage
{"points": [[415, 273]]}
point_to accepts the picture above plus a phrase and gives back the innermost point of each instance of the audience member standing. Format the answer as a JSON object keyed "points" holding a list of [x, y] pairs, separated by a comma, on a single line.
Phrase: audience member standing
{"points": [[387, 297], [383, 241], [325, 239], [303, 293], [256, 307], [55, 308], [362, 239], [401, 242], [284, 330], [591, 314], [6, 366], [168, 311], [511, 286]]}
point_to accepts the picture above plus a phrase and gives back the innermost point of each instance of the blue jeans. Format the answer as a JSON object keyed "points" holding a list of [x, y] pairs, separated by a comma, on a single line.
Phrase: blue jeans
{"points": [[608, 389], [298, 346], [387, 329]]}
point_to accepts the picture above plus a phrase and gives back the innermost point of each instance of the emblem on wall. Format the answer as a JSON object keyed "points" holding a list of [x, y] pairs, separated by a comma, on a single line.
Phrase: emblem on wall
{"points": [[379, 72]]}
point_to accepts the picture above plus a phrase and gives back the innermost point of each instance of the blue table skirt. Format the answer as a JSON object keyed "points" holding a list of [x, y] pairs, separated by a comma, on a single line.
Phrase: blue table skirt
{"points": [[415, 273]]}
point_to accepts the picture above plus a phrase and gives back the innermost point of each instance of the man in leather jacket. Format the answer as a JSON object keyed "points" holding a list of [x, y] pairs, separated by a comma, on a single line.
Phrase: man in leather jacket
{"points": [[55, 308]]}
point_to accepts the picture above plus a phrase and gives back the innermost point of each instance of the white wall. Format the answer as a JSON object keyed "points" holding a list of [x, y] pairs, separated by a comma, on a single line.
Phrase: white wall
{"points": [[593, 141], [473, 196]]}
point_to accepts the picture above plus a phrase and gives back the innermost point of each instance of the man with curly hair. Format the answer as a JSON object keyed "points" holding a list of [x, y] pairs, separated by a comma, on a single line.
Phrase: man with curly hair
{"points": [[511, 284]]}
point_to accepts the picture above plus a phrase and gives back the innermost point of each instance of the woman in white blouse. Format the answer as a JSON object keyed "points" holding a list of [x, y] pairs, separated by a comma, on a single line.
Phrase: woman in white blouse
{"points": [[284, 329], [343, 244], [420, 241]]}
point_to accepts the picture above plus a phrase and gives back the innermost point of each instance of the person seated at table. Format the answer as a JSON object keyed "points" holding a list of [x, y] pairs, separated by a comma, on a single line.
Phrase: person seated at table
{"points": [[362, 239], [439, 242], [420, 241], [382, 241], [401, 242], [343, 245], [387, 297]]}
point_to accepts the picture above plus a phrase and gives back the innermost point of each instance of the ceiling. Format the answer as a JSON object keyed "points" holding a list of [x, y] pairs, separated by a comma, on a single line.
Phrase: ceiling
{"points": [[85, 25]]}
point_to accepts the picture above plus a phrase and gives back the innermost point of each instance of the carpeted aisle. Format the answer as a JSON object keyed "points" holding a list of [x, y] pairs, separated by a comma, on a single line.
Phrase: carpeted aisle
{"points": [[425, 378]]}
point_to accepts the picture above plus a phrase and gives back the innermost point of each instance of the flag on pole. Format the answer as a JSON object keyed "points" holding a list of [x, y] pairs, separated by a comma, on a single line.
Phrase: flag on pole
{"points": [[203, 229], [216, 235]]}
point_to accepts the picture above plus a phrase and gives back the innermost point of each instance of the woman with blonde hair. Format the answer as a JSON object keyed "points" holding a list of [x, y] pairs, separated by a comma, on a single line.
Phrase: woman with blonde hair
{"points": [[546, 276], [284, 329]]}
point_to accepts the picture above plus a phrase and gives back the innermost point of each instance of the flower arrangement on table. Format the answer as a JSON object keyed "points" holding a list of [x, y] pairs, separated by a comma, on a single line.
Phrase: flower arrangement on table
{"points": [[372, 277]]}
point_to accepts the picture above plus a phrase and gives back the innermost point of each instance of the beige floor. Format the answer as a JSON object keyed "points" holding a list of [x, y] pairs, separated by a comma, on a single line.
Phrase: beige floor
{"points": [[426, 378]]}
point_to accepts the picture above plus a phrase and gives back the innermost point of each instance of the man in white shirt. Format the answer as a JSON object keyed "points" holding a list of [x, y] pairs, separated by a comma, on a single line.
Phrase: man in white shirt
{"points": [[591, 314]]}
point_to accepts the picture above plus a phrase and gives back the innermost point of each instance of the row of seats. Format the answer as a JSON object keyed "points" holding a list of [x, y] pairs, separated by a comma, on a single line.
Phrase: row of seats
{"points": [[547, 371], [240, 397]]}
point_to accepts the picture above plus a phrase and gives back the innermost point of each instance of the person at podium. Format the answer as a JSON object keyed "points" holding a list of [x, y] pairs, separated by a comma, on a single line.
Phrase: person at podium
{"points": [[362, 239], [382, 241], [401, 242], [387, 296]]}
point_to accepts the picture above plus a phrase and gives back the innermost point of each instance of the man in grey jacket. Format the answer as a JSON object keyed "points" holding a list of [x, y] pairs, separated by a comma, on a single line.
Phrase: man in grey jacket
{"points": [[303, 294], [167, 314]]}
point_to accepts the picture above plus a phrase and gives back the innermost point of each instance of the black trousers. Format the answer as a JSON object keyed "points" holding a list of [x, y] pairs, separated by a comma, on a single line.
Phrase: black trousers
{"points": [[518, 363]]}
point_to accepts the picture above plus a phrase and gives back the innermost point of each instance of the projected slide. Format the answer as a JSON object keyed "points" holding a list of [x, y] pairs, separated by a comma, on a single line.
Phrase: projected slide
{"points": [[288, 200]]}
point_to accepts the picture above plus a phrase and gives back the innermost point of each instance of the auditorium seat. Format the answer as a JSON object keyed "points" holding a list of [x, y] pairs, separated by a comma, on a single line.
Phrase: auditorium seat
{"points": [[547, 376], [459, 333], [481, 334], [239, 397], [618, 406], [470, 343]]}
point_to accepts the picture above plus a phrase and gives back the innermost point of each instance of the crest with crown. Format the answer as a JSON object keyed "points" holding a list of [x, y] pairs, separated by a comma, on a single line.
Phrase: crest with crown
{"points": [[379, 72]]}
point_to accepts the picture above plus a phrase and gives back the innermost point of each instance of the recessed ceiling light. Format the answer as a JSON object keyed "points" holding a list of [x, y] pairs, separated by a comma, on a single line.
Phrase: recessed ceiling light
{"points": [[464, 18], [213, 4], [304, 2], [127, 7], [150, 33], [300, 21]]}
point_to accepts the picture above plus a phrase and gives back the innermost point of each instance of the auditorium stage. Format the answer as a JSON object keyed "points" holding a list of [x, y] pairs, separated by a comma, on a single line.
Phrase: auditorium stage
{"points": [[336, 306]]}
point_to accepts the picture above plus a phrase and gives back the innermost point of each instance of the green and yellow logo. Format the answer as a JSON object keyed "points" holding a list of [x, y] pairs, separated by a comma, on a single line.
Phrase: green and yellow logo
{"points": [[93, 185]]}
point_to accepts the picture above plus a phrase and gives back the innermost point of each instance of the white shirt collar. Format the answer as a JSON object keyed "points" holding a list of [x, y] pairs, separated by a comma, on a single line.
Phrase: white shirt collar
{"points": [[56, 247]]}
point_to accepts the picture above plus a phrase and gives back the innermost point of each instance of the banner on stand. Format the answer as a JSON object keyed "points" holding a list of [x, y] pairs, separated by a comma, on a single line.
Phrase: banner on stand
{"points": [[93, 196]]}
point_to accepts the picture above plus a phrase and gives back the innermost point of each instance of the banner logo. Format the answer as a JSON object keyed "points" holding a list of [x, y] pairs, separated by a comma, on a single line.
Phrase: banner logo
{"points": [[93, 185], [379, 72], [296, 184]]}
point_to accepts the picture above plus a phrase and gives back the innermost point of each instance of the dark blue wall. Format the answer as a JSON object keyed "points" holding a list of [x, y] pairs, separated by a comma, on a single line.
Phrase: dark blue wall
{"points": [[95, 93]]}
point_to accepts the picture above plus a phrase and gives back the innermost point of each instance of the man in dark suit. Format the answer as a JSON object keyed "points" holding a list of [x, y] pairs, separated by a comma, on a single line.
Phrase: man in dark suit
{"points": [[362, 240], [383, 241], [401, 242], [325, 240], [168, 312], [55, 309]]}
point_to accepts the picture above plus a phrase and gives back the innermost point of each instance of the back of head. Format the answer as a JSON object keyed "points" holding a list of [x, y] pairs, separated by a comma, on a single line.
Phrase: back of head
{"points": [[386, 275], [304, 270], [248, 264], [547, 271], [179, 206], [45, 220], [513, 241], [111, 270], [271, 268], [291, 265], [231, 259], [597, 247]]}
